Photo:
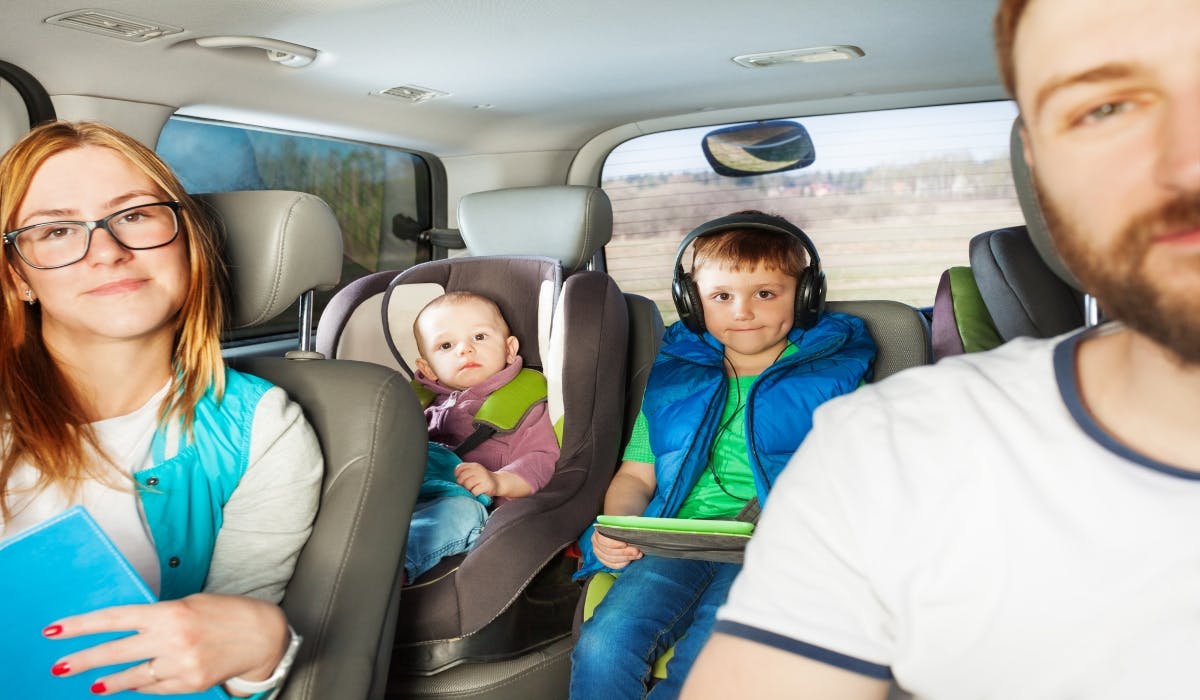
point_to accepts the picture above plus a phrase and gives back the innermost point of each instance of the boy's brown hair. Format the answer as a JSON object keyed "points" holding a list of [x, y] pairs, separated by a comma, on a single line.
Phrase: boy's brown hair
{"points": [[746, 249]]}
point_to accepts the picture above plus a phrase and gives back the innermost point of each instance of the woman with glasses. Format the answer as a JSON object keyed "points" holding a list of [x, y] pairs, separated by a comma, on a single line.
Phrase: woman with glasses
{"points": [[114, 396]]}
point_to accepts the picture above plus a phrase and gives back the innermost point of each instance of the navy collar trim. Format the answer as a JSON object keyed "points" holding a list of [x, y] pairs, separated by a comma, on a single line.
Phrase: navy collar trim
{"points": [[1068, 386]]}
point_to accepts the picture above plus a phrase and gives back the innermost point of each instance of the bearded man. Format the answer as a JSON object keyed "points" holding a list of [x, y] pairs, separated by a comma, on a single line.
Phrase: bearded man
{"points": [[1019, 523]]}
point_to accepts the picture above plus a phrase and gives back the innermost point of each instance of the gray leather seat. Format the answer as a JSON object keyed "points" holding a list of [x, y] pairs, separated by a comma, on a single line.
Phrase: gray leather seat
{"points": [[343, 595]]}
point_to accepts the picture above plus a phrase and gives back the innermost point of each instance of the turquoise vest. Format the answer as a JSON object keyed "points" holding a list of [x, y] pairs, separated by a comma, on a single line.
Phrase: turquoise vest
{"points": [[183, 497]]}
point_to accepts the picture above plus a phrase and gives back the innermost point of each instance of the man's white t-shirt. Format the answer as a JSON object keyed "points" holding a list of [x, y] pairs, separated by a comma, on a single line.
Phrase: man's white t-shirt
{"points": [[969, 530]]}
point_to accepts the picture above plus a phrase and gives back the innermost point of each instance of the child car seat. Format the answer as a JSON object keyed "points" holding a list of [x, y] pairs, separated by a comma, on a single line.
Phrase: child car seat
{"points": [[512, 592], [1016, 284]]}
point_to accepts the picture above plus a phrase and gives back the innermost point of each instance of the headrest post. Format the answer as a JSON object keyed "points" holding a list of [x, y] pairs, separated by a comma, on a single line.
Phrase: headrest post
{"points": [[306, 321], [1091, 311]]}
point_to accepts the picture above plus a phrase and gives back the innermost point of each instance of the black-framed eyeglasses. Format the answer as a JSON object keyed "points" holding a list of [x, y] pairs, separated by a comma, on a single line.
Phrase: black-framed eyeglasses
{"points": [[52, 244]]}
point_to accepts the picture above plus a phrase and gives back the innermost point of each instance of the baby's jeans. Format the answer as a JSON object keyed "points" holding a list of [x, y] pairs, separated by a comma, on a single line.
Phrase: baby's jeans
{"points": [[441, 527]]}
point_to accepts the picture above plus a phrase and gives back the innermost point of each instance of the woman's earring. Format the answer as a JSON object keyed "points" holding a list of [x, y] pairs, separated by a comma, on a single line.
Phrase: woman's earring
{"points": [[29, 297]]}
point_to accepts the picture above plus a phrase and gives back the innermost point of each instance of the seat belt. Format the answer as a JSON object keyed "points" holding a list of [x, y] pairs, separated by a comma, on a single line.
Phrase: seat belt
{"points": [[503, 410], [475, 439]]}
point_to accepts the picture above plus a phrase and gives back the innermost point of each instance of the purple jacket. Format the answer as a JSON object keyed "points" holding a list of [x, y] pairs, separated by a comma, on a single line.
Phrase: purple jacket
{"points": [[530, 451]]}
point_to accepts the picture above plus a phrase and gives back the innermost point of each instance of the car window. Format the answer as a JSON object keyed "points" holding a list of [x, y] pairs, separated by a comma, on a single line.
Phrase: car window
{"points": [[380, 196], [890, 201]]}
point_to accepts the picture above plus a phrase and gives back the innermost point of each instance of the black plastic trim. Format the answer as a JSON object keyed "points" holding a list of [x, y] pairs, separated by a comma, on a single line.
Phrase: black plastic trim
{"points": [[37, 101]]}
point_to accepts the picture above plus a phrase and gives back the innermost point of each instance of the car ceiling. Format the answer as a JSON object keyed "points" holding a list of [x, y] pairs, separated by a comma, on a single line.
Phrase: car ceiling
{"points": [[555, 73]]}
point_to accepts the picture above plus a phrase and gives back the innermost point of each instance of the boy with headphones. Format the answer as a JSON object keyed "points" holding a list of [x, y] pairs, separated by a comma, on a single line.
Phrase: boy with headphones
{"points": [[729, 399]]}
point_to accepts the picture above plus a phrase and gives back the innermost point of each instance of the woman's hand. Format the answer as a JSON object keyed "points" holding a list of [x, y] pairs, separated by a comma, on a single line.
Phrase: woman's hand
{"points": [[191, 644], [613, 553]]}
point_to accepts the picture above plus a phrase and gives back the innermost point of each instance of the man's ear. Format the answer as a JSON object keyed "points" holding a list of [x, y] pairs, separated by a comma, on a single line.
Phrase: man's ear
{"points": [[513, 345], [425, 370]]}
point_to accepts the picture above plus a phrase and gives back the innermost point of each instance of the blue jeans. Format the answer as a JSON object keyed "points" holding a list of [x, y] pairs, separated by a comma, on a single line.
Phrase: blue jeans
{"points": [[441, 527], [651, 605]]}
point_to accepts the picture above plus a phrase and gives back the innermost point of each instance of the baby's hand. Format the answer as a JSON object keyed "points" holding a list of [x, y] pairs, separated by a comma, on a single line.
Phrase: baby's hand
{"points": [[613, 553], [477, 479]]}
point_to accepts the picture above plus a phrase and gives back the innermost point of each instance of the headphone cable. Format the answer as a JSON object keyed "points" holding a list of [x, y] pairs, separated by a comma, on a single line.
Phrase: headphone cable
{"points": [[739, 406]]}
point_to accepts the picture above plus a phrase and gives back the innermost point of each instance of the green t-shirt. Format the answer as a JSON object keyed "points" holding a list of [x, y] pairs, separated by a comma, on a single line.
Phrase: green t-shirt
{"points": [[729, 458]]}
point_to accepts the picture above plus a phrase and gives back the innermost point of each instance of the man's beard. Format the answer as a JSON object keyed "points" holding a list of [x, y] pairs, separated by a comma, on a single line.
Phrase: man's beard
{"points": [[1118, 275]]}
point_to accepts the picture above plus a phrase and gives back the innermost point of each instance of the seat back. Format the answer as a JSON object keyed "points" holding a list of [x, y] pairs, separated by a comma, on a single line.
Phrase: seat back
{"points": [[572, 325], [900, 332], [645, 334], [342, 596], [961, 322]]}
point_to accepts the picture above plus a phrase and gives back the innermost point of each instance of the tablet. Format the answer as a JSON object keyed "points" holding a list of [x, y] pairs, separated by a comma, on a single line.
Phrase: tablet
{"points": [[638, 522], [710, 540]]}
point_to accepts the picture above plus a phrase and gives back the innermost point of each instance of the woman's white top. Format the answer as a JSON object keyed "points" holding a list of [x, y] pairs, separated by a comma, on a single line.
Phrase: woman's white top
{"points": [[251, 547]]}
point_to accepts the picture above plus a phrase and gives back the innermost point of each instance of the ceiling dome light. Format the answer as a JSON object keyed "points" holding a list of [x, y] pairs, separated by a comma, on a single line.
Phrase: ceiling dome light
{"points": [[113, 24], [411, 93], [812, 54]]}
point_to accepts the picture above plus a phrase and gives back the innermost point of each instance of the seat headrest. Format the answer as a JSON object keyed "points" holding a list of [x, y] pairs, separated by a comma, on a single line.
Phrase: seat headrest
{"points": [[1035, 220], [278, 245], [567, 222], [1024, 297]]}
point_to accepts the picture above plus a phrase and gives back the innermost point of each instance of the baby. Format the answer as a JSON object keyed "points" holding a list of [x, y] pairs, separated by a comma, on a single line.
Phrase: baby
{"points": [[467, 354]]}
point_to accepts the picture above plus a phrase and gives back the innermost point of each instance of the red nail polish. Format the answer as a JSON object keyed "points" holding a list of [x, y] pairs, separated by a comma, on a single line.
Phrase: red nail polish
{"points": [[98, 688], [60, 668], [52, 631]]}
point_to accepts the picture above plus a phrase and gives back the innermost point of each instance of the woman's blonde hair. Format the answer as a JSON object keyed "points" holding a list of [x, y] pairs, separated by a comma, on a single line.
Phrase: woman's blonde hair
{"points": [[43, 414]]}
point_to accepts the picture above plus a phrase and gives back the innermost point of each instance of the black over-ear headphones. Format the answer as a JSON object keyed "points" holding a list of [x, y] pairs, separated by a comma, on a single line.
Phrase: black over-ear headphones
{"points": [[810, 288]]}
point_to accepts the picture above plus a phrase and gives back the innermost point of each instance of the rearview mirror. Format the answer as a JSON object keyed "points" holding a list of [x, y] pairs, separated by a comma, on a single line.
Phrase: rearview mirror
{"points": [[759, 148]]}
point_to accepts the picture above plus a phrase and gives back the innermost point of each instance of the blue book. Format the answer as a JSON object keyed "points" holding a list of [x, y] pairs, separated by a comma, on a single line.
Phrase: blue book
{"points": [[63, 566]]}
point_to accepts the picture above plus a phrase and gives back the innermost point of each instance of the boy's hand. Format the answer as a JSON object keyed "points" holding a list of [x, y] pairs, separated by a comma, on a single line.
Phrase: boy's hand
{"points": [[613, 553]]}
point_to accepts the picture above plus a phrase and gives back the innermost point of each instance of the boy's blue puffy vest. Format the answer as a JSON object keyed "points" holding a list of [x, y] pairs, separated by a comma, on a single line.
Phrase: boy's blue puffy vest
{"points": [[686, 393]]}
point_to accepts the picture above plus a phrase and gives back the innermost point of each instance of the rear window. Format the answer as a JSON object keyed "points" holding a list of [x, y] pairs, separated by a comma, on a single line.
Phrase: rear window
{"points": [[891, 200], [381, 196]]}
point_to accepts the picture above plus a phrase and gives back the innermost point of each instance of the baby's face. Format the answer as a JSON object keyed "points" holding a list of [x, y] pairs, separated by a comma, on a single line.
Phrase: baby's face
{"points": [[463, 344]]}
